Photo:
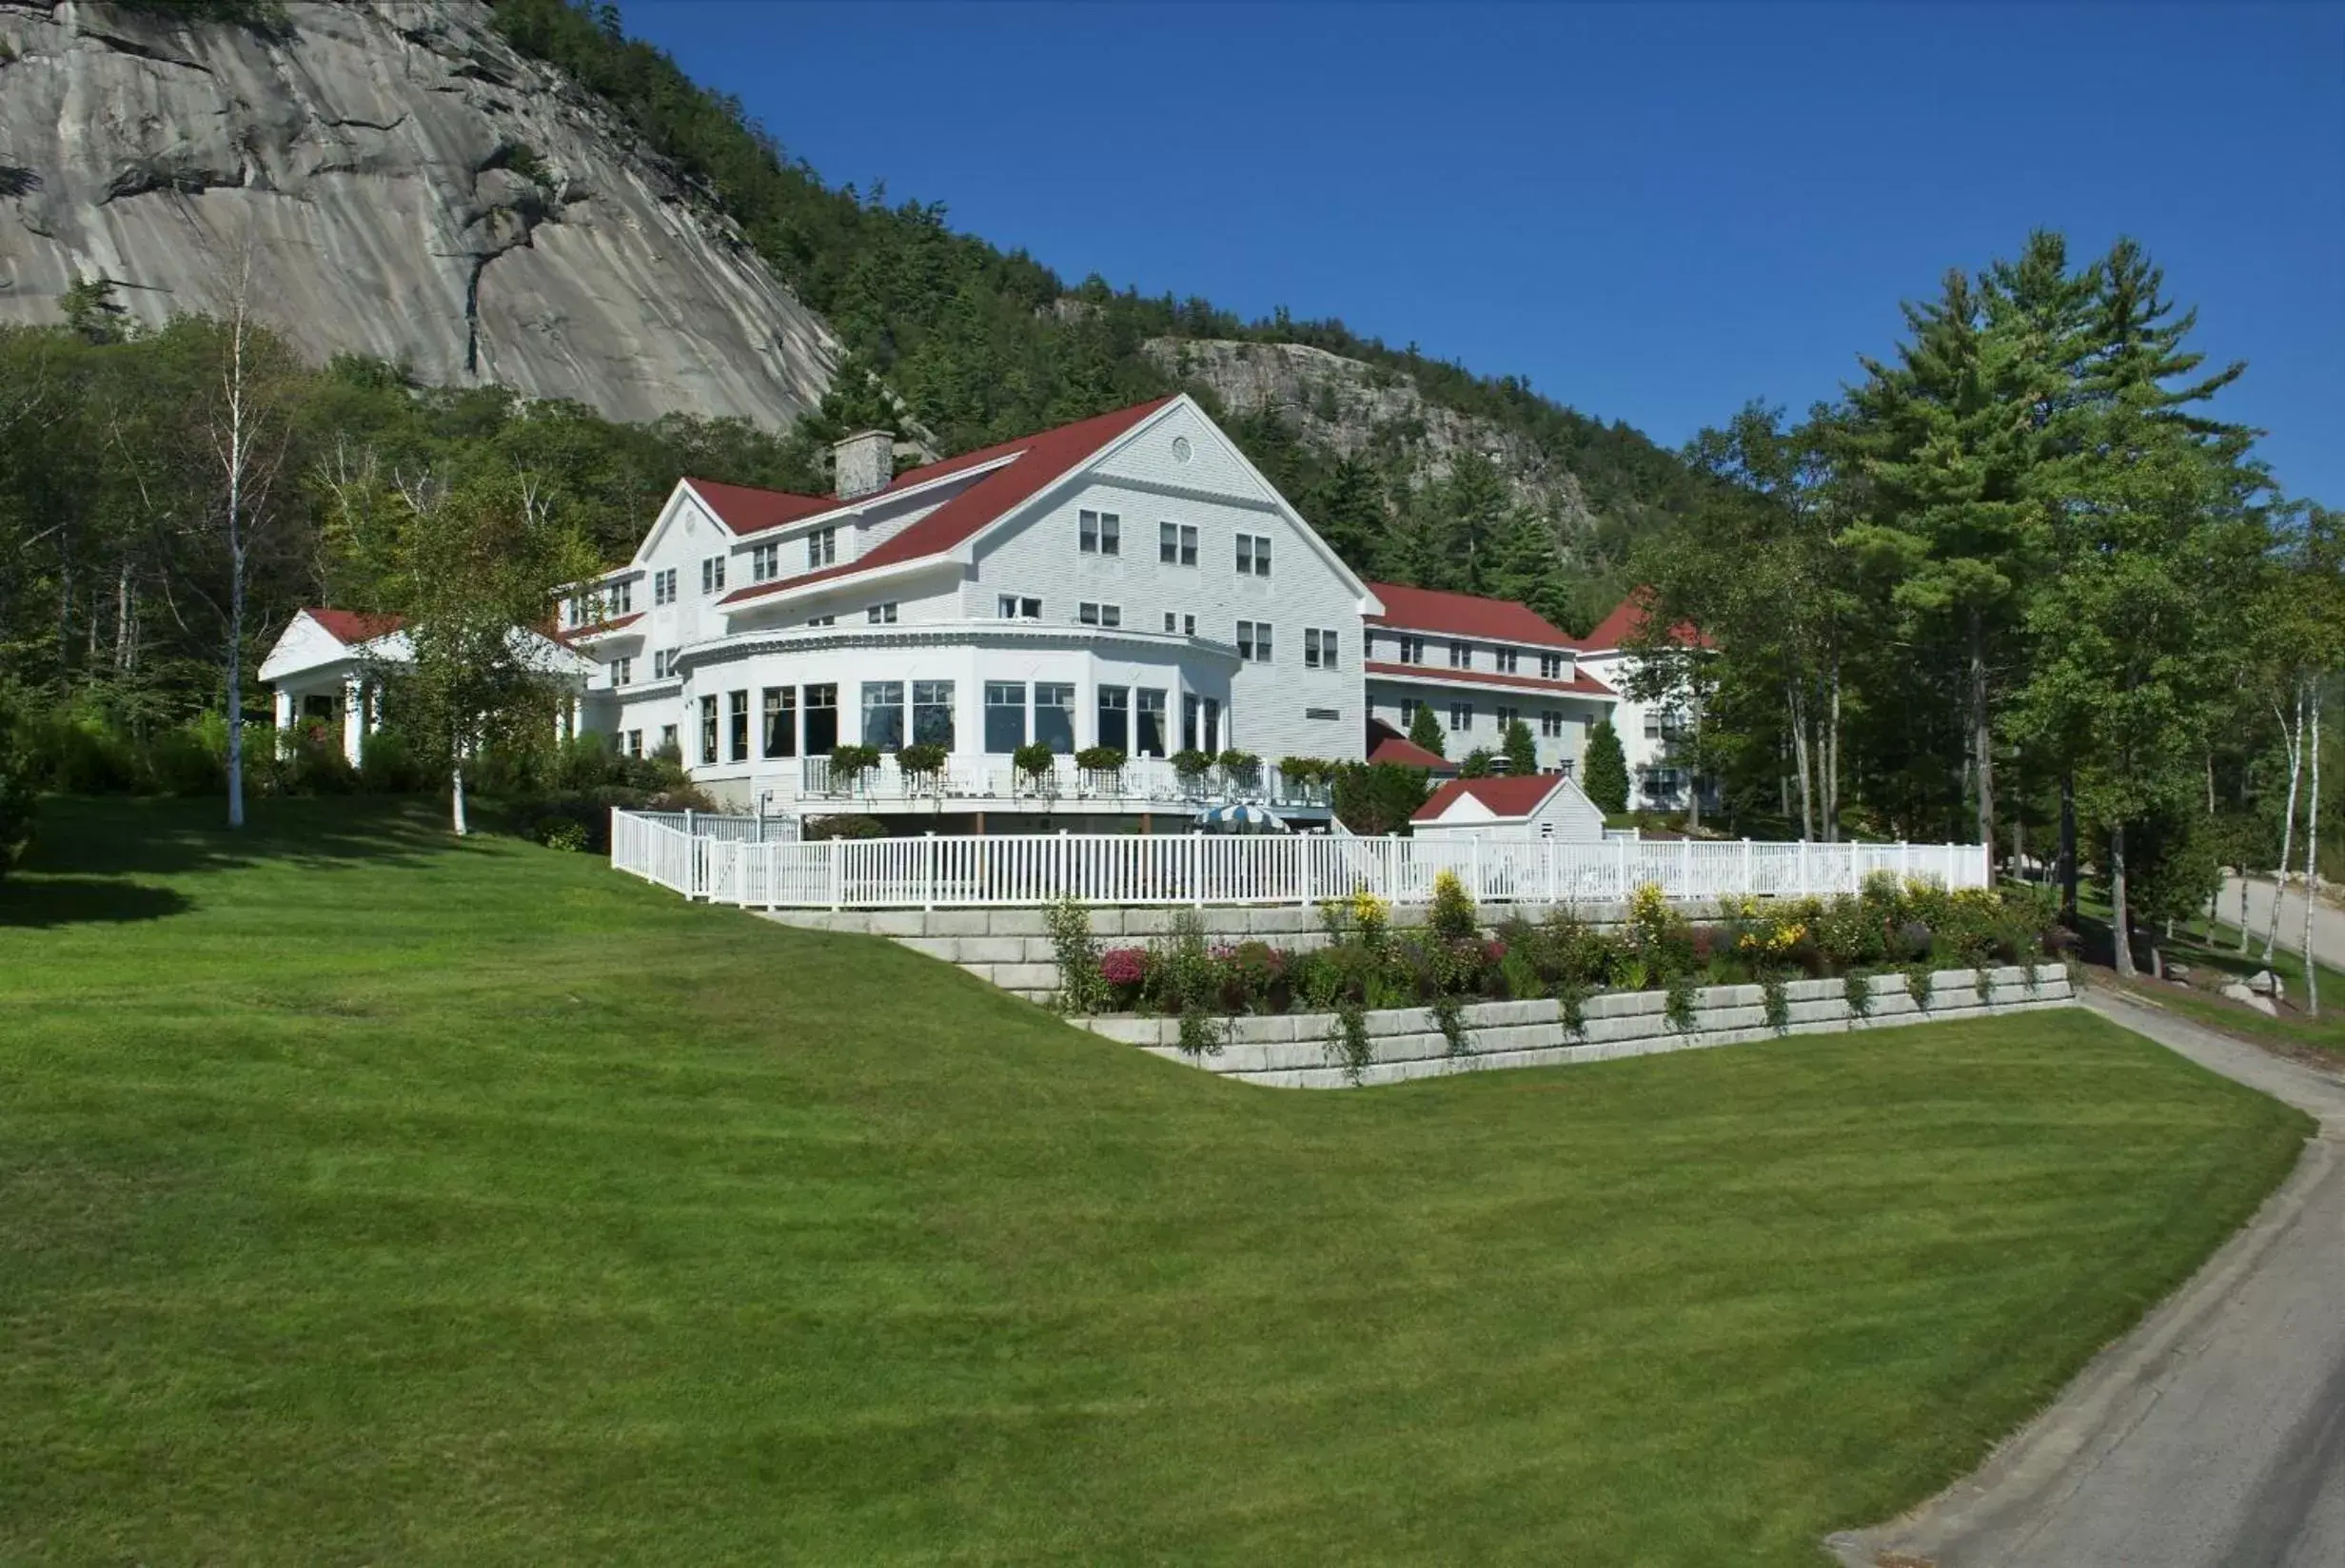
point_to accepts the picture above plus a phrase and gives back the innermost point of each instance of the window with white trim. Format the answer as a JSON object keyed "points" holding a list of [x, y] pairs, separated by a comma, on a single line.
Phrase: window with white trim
{"points": [[821, 548], [1412, 650], [663, 586], [1551, 723], [764, 562], [1091, 614], [1409, 711], [1550, 666], [622, 671], [1253, 555], [881, 614], [712, 576], [821, 620], [1176, 543], [1015, 607], [1461, 716], [1461, 655], [1507, 718], [1099, 532], [1254, 641], [1506, 660], [633, 746], [662, 664], [1319, 647]]}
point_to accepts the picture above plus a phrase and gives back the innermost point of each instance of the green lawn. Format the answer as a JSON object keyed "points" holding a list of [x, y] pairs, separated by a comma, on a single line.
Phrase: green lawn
{"points": [[366, 1198]]}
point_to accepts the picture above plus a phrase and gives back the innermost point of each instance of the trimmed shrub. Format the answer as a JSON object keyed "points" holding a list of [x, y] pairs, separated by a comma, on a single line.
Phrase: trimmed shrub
{"points": [[16, 804], [817, 830]]}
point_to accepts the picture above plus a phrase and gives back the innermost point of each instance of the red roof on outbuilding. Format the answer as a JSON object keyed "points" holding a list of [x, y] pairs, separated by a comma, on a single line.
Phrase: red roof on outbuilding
{"points": [[352, 627], [1036, 461], [1406, 754], [1513, 796], [1463, 614]]}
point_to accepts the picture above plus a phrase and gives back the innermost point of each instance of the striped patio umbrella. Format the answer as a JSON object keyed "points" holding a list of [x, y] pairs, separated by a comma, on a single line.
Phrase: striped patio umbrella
{"points": [[1243, 817]]}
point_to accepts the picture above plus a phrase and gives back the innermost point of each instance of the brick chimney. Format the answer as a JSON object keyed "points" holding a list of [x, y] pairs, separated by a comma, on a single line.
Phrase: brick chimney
{"points": [[862, 462]]}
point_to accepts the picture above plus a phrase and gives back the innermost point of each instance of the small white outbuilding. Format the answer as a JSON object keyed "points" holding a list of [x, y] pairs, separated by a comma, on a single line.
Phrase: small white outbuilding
{"points": [[1525, 806]]}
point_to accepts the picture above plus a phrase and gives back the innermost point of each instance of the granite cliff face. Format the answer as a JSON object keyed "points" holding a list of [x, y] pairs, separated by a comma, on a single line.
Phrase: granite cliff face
{"points": [[406, 185], [1354, 409]]}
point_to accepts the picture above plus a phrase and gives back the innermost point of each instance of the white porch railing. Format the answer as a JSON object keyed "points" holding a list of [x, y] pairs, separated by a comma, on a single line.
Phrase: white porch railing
{"points": [[1141, 782], [749, 829], [1010, 870]]}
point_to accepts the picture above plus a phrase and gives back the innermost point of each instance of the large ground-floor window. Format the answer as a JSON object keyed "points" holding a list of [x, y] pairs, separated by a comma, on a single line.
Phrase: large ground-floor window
{"points": [[1200, 723], [1054, 716], [822, 705], [1005, 715], [883, 714], [932, 713], [1151, 722], [1115, 717], [737, 725], [781, 721], [708, 730]]}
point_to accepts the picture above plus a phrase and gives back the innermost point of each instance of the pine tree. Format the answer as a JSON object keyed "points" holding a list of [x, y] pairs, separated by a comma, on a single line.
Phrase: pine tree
{"points": [[1425, 730], [1607, 767], [1522, 751]]}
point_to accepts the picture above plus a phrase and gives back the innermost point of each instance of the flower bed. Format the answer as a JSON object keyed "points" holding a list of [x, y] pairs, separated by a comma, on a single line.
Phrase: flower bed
{"points": [[1889, 935], [1331, 1050]]}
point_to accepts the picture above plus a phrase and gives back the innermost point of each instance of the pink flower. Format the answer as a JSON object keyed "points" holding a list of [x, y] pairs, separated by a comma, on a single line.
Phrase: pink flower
{"points": [[1123, 966]]}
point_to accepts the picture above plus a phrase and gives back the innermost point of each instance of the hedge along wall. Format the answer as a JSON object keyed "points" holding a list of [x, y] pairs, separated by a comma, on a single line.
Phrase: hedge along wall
{"points": [[1304, 1051]]}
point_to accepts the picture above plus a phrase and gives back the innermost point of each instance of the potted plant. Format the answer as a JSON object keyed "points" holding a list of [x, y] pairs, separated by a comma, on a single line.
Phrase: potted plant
{"points": [[849, 765], [1191, 765], [1035, 765], [922, 765], [1243, 769], [1102, 768]]}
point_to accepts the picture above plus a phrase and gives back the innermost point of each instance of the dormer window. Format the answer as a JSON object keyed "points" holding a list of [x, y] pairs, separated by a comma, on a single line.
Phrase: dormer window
{"points": [[1461, 655], [1506, 662], [821, 548], [1551, 666], [764, 562]]}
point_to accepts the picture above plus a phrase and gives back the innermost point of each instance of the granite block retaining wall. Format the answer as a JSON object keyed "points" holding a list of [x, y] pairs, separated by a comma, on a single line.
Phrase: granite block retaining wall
{"points": [[1296, 1051]]}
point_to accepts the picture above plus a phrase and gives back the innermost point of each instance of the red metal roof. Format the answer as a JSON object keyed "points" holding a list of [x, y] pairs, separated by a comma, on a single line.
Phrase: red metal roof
{"points": [[1037, 460], [352, 627], [1406, 753], [745, 510], [1463, 614], [1627, 618], [1515, 795], [1579, 685]]}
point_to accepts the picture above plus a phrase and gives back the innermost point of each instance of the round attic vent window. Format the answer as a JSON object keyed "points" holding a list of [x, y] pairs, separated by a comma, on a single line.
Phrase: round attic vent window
{"points": [[1180, 449]]}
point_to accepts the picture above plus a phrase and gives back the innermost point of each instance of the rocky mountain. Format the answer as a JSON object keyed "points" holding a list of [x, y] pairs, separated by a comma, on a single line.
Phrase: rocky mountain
{"points": [[1349, 408], [396, 180]]}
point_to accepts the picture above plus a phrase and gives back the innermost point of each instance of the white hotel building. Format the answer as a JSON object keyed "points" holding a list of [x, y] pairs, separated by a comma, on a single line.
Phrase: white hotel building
{"points": [[1130, 581]]}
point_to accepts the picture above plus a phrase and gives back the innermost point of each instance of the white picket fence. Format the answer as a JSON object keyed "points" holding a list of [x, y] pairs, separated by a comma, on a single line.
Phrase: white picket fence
{"points": [[1009, 870]]}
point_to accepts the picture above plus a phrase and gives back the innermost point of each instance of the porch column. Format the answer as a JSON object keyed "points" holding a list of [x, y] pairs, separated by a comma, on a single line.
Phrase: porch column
{"points": [[578, 712], [285, 708], [353, 718]]}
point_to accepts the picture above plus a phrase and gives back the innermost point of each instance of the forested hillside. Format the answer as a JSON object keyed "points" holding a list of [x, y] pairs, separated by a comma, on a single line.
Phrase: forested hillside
{"points": [[982, 344]]}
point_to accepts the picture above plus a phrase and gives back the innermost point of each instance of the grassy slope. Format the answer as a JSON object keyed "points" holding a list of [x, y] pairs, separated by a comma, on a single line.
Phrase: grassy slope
{"points": [[369, 1197], [2213, 948]]}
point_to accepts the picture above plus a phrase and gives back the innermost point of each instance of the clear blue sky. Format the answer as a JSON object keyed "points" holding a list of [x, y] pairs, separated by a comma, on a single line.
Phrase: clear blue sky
{"points": [[1654, 212]]}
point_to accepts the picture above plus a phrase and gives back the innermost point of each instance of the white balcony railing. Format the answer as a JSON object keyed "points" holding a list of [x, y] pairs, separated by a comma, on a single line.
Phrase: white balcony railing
{"points": [[1138, 784]]}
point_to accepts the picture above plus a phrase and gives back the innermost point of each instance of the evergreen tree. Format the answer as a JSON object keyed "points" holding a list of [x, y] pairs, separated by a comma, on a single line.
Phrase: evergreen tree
{"points": [[1521, 751], [1605, 769], [1425, 730]]}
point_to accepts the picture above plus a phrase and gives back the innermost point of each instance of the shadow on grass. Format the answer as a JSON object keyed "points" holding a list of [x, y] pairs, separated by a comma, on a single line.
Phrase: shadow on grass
{"points": [[78, 837], [85, 900]]}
